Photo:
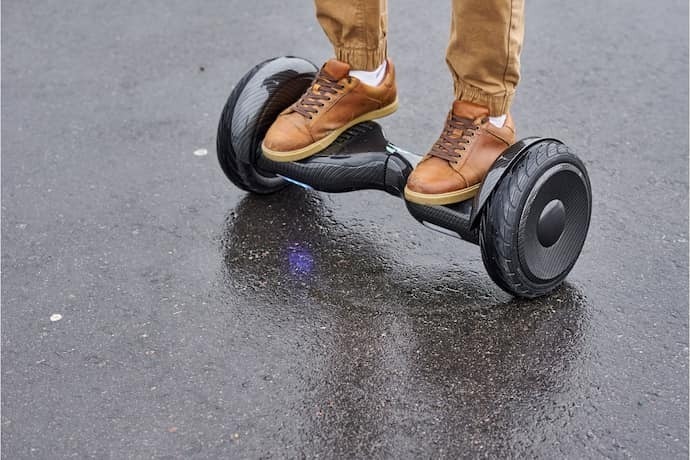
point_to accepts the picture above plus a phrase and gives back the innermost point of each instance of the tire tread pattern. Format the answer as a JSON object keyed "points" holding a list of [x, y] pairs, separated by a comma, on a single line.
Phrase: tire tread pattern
{"points": [[500, 221], [241, 169]]}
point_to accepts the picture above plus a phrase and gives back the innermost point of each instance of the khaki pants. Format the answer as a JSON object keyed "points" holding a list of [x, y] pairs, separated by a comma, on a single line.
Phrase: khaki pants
{"points": [[483, 53]]}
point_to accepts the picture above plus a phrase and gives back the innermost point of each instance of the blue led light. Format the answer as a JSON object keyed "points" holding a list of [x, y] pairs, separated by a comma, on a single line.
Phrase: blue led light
{"points": [[296, 182]]}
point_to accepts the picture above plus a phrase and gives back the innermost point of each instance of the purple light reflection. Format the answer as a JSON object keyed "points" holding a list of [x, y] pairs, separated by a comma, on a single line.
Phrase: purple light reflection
{"points": [[300, 260]]}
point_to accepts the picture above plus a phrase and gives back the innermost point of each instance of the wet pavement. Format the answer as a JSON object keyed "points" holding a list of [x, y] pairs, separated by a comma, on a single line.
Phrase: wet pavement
{"points": [[200, 322]]}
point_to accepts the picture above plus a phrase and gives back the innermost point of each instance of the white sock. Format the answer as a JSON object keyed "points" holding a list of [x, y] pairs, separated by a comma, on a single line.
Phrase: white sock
{"points": [[498, 121], [371, 78]]}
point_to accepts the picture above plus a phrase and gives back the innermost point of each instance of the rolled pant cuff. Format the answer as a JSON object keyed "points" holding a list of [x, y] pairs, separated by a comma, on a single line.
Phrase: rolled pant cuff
{"points": [[361, 58], [497, 104]]}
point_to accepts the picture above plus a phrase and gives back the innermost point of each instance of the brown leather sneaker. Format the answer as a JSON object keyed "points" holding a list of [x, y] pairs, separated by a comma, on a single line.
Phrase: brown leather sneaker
{"points": [[334, 103], [457, 163]]}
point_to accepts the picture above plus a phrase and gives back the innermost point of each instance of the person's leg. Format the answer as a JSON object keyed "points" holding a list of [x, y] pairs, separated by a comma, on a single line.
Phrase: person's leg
{"points": [[357, 29], [357, 86], [484, 51], [484, 58]]}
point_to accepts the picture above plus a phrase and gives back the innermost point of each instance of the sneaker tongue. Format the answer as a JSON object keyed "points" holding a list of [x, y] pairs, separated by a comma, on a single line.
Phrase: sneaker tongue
{"points": [[336, 69], [469, 110]]}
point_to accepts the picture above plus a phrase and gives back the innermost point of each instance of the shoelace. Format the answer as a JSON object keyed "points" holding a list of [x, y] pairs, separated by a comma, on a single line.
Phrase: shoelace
{"points": [[320, 91], [451, 143]]}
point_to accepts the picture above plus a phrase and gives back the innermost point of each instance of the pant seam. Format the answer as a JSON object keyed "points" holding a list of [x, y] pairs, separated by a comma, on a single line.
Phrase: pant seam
{"points": [[510, 33], [361, 22]]}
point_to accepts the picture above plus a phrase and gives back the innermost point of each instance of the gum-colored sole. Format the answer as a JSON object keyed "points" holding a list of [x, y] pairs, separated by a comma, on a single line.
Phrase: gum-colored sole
{"points": [[441, 198], [316, 147]]}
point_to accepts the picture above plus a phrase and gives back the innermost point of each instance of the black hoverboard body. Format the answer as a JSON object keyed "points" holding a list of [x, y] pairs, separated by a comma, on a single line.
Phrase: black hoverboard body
{"points": [[530, 217]]}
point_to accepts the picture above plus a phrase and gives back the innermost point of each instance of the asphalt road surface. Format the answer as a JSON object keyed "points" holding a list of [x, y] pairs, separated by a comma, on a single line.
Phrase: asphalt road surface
{"points": [[197, 321]]}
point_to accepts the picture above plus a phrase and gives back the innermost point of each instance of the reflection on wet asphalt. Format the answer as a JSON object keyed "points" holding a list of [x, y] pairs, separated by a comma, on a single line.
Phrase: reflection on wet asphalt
{"points": [[386, 349]]}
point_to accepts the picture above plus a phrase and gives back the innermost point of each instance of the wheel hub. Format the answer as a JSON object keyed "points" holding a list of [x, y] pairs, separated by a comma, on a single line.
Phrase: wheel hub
{"points": [[551, 223], [554, 222]]}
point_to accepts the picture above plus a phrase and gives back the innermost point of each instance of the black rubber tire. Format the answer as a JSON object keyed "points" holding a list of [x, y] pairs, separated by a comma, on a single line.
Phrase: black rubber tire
{"points": [[504, 236], [240, 167]]}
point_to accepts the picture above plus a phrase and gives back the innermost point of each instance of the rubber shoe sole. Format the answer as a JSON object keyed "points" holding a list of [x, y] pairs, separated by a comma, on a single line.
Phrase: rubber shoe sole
{"points": [[437, 199], [318, 146]]}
